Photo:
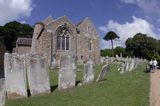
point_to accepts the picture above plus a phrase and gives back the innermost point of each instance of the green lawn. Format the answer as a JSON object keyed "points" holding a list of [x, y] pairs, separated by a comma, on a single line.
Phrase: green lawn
{"points": [[130, 89]]}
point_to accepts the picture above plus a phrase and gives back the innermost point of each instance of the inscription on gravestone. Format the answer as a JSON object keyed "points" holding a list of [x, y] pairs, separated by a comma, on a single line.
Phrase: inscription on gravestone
{"points": [[89, 71], [37, 71], [15, 76], [103, 73], [67, 72]]}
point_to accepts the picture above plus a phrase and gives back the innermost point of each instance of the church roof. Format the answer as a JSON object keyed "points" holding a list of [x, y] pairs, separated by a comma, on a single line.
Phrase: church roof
{"points": [[24, 41], [81, 21], [48, 20]]}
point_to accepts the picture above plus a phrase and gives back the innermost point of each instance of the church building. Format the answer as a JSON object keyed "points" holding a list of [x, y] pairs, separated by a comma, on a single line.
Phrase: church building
{"points": [[59, 36]]}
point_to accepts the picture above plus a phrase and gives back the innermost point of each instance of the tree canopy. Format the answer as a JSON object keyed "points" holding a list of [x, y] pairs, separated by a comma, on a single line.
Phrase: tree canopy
{"points": [[11, 31], [111, 36], [143, 46]]}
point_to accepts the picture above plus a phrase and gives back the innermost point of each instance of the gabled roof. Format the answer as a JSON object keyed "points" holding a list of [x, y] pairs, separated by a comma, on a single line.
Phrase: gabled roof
{"points": [[48, 20], [24, 41], [81, 22]]}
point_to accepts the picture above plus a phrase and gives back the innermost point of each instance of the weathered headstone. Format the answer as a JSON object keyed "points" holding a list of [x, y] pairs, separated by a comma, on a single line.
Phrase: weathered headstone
{"points": [[2, 92], [15, 76], [123, 68], [53, 63], [103, 73], [132, 64], [89, 71], [37, 71], [67, 72], [127, 65]]}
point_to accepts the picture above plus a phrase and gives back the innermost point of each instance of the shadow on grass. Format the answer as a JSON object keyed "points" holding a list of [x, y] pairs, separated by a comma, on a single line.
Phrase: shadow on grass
{"points": [[77, 82], [53, 87], [28, 92]]}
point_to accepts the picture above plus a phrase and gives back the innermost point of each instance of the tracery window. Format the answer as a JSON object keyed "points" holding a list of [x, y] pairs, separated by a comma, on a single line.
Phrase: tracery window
{"points": [[63, 39]]}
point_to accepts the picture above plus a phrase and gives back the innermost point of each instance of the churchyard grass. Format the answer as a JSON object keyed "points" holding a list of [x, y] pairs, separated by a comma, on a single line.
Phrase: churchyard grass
{"points": [[129, 89]]}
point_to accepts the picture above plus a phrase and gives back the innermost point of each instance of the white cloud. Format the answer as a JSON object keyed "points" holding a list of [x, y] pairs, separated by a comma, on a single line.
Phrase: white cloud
{"points": [[149, 6], [127, 30], [14, 9]]}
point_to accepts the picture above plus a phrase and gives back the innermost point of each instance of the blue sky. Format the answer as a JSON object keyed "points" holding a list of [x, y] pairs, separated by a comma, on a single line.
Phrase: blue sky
{"points": [[125, 17]]}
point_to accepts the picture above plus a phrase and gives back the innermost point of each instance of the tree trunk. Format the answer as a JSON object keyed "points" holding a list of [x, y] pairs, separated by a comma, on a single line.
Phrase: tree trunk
{"points": [[112, 47]]}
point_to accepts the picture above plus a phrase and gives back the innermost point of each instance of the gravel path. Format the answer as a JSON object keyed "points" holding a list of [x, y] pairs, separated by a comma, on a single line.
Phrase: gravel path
{"points": [[155, 88]]}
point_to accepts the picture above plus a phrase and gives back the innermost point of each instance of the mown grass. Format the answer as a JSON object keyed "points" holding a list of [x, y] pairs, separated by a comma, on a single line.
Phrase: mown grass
{"points": [[130, 89]]}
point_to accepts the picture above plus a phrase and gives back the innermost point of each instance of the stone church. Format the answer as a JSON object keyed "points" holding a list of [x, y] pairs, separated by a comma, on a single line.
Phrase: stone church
{"points": [[59, 36]]}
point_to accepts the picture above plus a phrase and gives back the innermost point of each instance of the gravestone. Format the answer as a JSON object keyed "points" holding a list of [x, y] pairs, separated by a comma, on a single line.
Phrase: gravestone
{"points": [[127, 65], [53, 63], [67, 72], [2, 92], [89, 71], [132, 64], [103, 73], [15, 75], [123, 68], [37, 71]]}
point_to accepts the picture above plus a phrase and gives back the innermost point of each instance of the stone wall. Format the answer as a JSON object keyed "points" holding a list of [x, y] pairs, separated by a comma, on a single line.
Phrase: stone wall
{"points": [[45, 40], [23, 49]]}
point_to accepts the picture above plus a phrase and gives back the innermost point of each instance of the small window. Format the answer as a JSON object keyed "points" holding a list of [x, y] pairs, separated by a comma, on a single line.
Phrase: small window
{"points": [[81, 57], [78, 31]]}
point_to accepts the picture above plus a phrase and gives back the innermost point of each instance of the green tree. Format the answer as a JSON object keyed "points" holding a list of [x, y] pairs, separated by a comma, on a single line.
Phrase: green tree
{"points": [[111, 36], [106, 52], [11, 31], [118, 50], [142, 45]]}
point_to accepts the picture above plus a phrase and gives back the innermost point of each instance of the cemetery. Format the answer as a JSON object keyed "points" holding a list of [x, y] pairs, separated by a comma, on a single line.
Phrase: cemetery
{"points": [[29, 82]]}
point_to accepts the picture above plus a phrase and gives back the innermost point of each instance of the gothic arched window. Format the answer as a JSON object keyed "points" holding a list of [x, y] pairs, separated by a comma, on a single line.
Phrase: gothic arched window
{"points": [[63, 39]]}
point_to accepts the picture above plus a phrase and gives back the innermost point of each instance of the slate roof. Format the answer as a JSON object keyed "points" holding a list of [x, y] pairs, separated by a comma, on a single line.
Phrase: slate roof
{"points": [[24, 41]]}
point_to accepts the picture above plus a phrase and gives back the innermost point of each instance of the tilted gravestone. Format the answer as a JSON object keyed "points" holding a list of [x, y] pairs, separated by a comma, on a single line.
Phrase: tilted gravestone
{"points": [[103, 73], [15, 75], [67, 72], [89, 71], [2, 92], [37, 71]]}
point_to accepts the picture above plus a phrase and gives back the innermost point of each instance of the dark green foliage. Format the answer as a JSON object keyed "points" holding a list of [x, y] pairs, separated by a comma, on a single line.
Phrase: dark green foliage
{"points": [[106, 52], [11, 31], [111, 36], [142, 46]]}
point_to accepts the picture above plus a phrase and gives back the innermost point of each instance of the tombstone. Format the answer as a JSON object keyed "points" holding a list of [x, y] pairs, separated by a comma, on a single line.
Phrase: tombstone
{"points": [[53, 63], [127, 65], [89, 71], [103, 73], [2, 92], [15, 75], [132, 63], [37, 72], [67, 72], [123, 68]]}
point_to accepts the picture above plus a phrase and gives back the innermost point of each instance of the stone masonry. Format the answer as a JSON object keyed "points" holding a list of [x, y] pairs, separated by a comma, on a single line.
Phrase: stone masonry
{"points": [[83, 40]]}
